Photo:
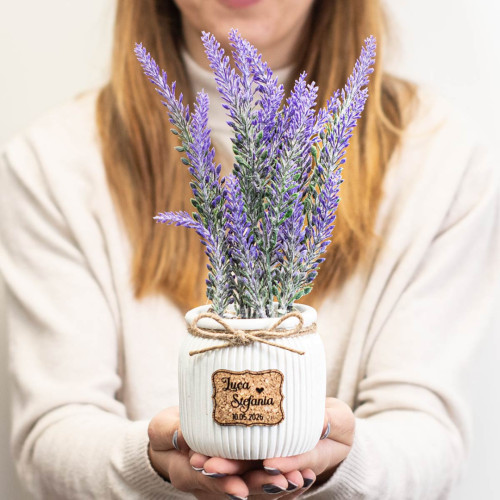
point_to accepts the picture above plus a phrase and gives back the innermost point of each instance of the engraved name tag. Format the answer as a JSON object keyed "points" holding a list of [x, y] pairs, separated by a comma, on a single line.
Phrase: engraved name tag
{"points": [[248, 398]]}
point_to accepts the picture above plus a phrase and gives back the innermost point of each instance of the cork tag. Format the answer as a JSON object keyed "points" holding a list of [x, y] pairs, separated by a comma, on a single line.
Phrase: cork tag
{"points": [[248, 398]]}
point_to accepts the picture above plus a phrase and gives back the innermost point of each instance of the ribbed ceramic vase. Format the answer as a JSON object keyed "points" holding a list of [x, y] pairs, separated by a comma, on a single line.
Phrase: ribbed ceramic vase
{"points": [[255, 401]]}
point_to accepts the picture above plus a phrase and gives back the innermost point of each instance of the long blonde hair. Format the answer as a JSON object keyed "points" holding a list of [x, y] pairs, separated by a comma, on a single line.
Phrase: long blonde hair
{"points": [[144, 172]]}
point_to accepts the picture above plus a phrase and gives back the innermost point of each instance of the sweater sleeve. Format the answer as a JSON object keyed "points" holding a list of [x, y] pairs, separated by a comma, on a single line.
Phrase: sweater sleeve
{"points": [[412, 428], [70, 434]]}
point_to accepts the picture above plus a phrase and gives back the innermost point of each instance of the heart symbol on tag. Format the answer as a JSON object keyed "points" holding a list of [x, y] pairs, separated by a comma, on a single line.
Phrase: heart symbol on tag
{"points": [[260, 389]]}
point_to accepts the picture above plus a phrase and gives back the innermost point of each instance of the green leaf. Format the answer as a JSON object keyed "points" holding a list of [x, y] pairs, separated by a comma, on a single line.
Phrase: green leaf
{"points": [[180, 149], [241, 161], [274, 239], [287, 215], [174, 131], [303, 292], [185, 161]]}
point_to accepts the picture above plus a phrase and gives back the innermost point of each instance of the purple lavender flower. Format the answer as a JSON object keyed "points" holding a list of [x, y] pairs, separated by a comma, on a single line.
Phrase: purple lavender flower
{"points": [[267, 97], [319, 231], [252, 99], [266, 228], [207, 189], [181, 218], [245, 255], [344, 108], [178, 112], [289, 174]]}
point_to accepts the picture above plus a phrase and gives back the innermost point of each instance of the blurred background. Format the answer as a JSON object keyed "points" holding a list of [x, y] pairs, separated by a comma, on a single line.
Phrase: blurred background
{"points": [[54, 49]]}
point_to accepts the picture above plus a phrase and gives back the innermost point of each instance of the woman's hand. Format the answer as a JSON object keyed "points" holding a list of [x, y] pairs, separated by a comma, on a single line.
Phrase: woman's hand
{"points": [[169, 456], [290, 477], [260, 483], [333, 447]]}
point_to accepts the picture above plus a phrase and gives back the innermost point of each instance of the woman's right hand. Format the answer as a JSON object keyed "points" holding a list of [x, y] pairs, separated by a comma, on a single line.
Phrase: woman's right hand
{"points": [[169, 456]]}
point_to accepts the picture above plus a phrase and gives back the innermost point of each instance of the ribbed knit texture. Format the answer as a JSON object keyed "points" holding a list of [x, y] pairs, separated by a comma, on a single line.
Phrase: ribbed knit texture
{"points": [[137, 471]]}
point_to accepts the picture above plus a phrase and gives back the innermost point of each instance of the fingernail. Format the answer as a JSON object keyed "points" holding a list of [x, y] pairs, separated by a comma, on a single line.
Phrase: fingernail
{"points": [[327, 432], [234, 497], [212, 474], [175, 437], [272, 488], [272, 471], [308, 481], [291, 486], [197, 469]]}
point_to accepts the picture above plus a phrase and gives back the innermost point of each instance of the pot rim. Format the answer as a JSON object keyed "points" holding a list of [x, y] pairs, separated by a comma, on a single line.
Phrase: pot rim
{"points": [[309, 315]]}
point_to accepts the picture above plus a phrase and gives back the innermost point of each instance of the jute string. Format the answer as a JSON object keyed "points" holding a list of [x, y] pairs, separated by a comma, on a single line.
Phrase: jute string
{"points": [[234, 337]]}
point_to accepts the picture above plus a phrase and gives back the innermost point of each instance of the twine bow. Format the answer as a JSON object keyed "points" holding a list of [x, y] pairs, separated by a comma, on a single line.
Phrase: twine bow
{"points": [[234, 337]]}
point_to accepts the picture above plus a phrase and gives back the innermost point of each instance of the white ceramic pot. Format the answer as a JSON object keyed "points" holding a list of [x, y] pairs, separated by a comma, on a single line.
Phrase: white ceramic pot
{"points": [[254, 401]]}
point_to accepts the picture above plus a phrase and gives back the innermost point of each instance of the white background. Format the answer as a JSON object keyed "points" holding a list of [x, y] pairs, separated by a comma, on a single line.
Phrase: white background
{"points": [[53, 49]]}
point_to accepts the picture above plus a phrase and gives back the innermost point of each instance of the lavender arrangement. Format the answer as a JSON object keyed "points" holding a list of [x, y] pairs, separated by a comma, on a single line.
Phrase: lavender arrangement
{"points": [[266, 226]]}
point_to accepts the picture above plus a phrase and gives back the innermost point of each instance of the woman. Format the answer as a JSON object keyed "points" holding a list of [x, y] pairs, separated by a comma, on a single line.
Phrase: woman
{"points": [[97, 291]]}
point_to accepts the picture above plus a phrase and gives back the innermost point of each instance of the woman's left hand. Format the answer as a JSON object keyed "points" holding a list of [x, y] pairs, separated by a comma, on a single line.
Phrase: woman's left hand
{"points": [[290, 477]]}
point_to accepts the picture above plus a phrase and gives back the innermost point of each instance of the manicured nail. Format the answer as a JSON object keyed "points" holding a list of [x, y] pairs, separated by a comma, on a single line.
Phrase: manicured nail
{"points": [[212, 474], [175, 437], [327, 432], [308, 481], [272, 471], [272, 489], [197, 469], [291, 486], [234, 497]]}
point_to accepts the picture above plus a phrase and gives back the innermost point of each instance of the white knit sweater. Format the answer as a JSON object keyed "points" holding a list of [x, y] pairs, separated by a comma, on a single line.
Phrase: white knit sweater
{"points": [[91, 365]]}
